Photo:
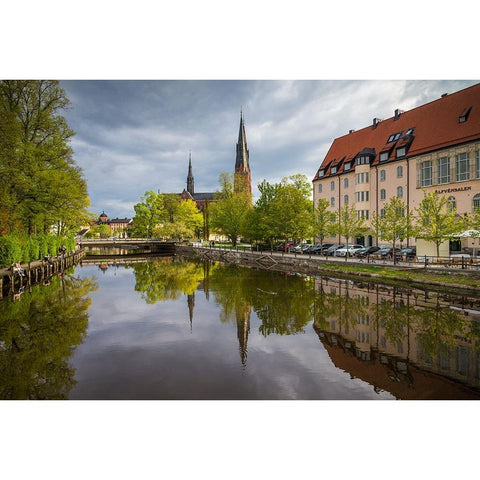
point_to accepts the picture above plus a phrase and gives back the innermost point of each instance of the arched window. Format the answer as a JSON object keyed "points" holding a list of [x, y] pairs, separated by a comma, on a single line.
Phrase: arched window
{"points": [[476, 202], [399, 192], [452, 204], [383, 194], [345, 182], [332, 201], [383, 175], [345, 200], [399, 171]]}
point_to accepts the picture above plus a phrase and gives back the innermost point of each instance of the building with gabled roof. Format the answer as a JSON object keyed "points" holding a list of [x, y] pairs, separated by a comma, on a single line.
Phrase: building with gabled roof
{"points": [[433, 147]]}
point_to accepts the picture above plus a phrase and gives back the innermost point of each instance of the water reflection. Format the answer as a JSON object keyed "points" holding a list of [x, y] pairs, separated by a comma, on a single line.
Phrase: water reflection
{"points": [[175, 328], [412, 343], [38, 332]]}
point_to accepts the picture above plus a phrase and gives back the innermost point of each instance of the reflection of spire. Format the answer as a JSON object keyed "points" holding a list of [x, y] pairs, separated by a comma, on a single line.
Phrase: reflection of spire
{"points": [[243, 329], [191, 304], [206, 279]]}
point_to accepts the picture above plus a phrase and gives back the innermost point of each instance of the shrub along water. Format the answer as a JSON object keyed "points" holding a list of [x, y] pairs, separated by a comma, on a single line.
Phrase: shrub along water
{"points": [[24, 248]]}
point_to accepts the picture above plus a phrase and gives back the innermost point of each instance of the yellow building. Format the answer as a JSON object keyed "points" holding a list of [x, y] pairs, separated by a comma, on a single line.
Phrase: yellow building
{"points": [[434, 147]]}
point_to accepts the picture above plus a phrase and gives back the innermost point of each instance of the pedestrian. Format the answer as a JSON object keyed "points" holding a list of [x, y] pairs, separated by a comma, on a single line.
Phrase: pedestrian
{"points": [[20, 270]]}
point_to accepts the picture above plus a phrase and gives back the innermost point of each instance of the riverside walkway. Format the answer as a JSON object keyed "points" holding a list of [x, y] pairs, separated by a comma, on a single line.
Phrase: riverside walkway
{"points": [[37, 272]]}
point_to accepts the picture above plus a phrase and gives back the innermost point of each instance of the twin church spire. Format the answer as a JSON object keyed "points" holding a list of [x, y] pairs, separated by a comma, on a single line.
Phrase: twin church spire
{"points": [[242, 175]]}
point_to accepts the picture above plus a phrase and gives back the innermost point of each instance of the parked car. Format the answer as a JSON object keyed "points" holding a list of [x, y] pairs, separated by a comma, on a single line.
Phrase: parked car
{"points": [[347, 250], [387, 252], [284, 247], [302, 248], [330, 251], [363, 252], [320, 248], [406, 253]]}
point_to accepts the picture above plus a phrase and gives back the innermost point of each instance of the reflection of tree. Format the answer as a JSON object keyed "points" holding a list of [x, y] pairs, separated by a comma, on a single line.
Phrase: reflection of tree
{"points": [[283, 303], [436, 329], [394, 317], [167, 279], [345, 308], [37, 337]]}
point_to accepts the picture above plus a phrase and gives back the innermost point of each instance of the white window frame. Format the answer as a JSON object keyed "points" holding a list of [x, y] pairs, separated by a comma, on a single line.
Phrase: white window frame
{"points": [[462, 167], [426, 174], [443, 170]]}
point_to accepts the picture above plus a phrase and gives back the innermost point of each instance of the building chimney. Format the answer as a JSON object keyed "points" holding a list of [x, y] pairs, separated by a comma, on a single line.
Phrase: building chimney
{"points": [[376, 121], [398, 112]]}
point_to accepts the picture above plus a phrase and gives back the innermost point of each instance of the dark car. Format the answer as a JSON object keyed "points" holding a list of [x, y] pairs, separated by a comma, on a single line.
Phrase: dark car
{"points": [[331, 250], [313, 248], [320, 248], [366, 251], [387, 252], [406, 253], [384, 252]]}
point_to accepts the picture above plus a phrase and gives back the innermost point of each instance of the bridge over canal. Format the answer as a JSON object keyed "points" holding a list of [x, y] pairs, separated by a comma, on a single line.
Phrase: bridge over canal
{"points": [[153, 244]]}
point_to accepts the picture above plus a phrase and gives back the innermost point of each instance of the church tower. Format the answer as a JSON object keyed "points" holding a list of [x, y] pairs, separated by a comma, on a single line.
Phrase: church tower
{"points": [[242, 176], [190, 187]]}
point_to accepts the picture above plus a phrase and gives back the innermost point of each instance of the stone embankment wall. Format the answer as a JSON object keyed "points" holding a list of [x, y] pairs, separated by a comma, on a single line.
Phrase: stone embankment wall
{"points": [[316, 265], [37, 272], [305, 264]]}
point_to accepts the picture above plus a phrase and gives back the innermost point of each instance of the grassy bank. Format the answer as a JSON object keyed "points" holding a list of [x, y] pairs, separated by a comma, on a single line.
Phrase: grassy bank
{"points": [[391, 274]]}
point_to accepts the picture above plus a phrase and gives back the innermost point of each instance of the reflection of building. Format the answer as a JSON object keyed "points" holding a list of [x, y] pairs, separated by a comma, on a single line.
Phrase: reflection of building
{"points": [[400, 340], [433, 148]]}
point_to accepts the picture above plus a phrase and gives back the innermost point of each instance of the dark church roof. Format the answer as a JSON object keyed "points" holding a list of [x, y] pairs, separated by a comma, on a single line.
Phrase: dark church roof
{"points": [[203, 196]]}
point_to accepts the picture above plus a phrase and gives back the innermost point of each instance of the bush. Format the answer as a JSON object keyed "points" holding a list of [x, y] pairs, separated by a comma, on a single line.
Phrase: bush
{"points": [[10, 250], [21, 248]]}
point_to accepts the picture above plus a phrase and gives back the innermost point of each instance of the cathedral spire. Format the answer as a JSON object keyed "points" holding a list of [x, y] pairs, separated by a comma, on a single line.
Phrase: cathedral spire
{"points": [[242, 167], [190, 182]]}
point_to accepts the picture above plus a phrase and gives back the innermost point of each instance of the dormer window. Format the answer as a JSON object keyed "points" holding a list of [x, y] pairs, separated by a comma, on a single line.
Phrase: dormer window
{"points": [[321, 173], [363, 160], [464, 115], [401, 152], [394, 137], [347, 166], [384, 156], [333, 170]]}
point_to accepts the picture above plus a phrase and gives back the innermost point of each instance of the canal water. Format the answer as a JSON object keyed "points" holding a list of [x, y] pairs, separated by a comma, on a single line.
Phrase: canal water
{"points": [[172, 328]]}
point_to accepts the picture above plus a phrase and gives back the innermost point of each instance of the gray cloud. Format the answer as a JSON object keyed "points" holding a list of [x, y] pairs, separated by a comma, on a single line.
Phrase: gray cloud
{"points": [[134, 136]]}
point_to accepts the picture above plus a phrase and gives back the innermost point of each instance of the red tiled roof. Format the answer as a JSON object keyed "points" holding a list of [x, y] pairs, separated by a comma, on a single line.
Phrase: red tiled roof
{"points": [[436, 126]]}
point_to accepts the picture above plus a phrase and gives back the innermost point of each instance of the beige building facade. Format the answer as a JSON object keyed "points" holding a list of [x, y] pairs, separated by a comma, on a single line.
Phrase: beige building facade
{"points": [[431, 148]]}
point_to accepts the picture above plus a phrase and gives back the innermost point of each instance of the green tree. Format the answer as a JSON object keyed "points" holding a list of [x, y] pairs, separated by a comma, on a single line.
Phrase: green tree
{"points": [[149, 213], [261, 219], [396, 224], [41, 185], [183, 220], [323, 220], [435, 222], [349, 224], [229, 214], [291, 210]]}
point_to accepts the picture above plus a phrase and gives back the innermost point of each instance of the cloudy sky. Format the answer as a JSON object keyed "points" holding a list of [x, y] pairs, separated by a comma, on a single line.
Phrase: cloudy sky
{"points": [[133, 136]]}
